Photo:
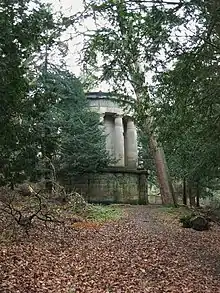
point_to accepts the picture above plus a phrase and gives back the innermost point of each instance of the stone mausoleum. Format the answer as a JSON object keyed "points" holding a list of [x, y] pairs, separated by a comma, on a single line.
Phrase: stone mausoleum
{"points": [[122, 182]]}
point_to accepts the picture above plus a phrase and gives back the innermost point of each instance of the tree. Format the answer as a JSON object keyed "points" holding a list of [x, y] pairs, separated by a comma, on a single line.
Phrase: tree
{"points": [[72, 137], [23, 34], [188, 104], [43, 109], [123, 49]]}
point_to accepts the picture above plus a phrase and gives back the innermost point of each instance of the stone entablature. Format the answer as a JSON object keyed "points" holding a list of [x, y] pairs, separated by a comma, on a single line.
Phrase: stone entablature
{"points": [[120, 130]]}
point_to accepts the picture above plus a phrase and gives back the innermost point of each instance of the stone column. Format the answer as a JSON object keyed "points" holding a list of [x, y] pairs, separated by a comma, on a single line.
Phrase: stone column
{"points": [[102, 123], [119, 142], [109, 132], [131, 145]]}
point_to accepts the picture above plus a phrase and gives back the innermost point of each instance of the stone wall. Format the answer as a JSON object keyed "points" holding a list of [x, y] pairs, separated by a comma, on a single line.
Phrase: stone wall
{"points": [[112, 186]]}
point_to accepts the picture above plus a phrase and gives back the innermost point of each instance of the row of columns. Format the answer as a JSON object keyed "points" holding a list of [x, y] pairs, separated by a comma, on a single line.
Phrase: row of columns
{"points": [[121, 140]]}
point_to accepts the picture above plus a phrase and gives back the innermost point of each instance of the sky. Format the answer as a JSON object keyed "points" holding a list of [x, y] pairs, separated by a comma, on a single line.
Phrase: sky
{"points": [[75, 5], [69, 7]]}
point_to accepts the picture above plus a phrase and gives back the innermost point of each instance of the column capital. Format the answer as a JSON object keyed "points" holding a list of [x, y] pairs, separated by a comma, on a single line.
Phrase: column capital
{"points": [[130, 123], [118, 120], [119, 115]]}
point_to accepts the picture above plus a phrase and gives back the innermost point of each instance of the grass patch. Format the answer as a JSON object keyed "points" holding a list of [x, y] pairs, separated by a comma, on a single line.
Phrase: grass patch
{"points": [[169, 209], [102, 213], [176, 211]]}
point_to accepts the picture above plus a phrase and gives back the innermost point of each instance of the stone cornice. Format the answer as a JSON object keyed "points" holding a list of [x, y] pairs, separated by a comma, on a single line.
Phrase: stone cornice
{"points": [[111, 96]]}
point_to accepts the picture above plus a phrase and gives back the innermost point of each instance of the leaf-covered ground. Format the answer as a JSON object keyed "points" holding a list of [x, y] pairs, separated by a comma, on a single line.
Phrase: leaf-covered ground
{"points": [[146, 252]]}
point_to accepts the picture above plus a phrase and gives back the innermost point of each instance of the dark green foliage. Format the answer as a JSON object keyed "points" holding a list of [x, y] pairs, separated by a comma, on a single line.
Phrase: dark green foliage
{"points": [[186, 101], [45, 124], [187, 113], [22, 31], [73, 141], [132, 34]]}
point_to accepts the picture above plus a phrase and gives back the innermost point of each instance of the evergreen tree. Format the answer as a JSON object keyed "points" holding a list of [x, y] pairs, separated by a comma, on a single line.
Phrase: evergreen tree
{"points": [[44, 117], [187, 107], [73, 140], [22, 34]]}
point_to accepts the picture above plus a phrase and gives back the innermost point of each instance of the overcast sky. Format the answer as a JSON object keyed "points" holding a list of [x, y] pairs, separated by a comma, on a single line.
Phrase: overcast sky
{"points": [[69, 7]]}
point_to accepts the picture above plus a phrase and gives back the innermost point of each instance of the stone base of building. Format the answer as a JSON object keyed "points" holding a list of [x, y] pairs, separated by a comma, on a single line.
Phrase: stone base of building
{"points": [[113, 185]]}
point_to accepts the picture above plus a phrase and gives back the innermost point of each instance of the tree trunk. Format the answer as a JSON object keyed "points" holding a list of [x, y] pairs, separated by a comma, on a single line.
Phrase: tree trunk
{"points": [[197, 195], [173, 195], [48, 178], [142, 95], [161, 169], [191, 195], [184, 192], [174, 198]]}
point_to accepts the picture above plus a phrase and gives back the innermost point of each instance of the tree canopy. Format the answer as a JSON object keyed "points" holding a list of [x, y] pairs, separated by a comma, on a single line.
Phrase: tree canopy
{"points": [[166, 54], [45, 119]]}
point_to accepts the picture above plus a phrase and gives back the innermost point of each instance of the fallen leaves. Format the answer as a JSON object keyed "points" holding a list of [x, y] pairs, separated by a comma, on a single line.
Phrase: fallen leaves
{"points": [[87, 225], [143, 253]]}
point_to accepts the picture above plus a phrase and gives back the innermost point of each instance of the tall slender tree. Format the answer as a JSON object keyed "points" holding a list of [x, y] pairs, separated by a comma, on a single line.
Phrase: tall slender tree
{"points": [[124, 49], [188, 102]]}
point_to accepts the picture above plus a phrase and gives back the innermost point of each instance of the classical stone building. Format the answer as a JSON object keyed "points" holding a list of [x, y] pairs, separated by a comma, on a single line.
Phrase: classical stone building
{"points": [[123, 182], [121, 133]]}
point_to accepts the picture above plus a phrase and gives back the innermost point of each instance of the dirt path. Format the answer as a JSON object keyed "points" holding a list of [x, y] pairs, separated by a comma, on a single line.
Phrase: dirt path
{"points": [[147, 252]]}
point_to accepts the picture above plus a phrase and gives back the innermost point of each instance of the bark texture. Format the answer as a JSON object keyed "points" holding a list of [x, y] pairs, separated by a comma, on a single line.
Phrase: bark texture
{"points": [[167, 195]]}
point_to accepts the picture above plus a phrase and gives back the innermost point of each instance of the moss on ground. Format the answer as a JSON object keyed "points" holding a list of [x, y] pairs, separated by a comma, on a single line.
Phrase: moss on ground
{"points": [[104, 213], [176, 211]]}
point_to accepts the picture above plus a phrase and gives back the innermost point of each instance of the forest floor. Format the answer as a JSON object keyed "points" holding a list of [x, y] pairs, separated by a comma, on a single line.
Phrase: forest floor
{"points": [[145, 251]]}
